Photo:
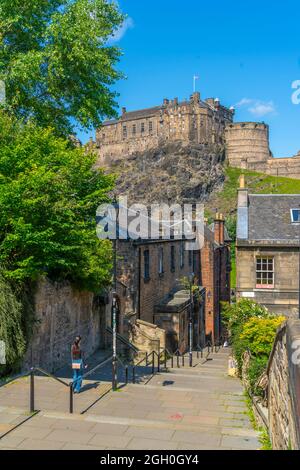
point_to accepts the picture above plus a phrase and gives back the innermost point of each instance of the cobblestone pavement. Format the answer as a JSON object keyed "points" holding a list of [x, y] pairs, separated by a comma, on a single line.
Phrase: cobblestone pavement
{"points": [[185, 408]]}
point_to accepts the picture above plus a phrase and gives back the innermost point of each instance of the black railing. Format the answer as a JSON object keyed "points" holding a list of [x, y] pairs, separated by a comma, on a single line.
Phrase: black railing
{"points": [[32, 372], [123, 340]]}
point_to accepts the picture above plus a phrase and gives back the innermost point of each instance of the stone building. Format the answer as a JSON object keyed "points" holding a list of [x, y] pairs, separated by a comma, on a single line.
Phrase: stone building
{"points": [[267, 250], [151, 286], [193, 120]]}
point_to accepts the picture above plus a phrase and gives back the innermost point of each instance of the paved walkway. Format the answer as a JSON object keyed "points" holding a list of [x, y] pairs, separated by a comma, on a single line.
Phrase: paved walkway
{"points": [[198, 408]]}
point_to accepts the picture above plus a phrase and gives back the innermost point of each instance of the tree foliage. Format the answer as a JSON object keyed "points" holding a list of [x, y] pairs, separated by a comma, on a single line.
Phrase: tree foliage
{"points": [[49, 192], [56, 61], [11, 331]]}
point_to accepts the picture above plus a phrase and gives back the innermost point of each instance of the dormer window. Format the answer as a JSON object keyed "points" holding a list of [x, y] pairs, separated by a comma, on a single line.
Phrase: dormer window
{"points": [[295, 216]]}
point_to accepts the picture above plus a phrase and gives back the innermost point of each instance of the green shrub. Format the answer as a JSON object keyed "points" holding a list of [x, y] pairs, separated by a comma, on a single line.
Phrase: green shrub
{"points": [[258, 335], [251, 328]]}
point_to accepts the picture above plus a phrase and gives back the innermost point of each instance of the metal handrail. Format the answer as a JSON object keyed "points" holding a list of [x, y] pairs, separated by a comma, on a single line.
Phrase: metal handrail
{"points": [[99, 366], [123, 340], [48, 374]]}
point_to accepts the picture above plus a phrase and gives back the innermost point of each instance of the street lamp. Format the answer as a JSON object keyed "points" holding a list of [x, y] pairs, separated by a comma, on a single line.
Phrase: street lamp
{"points": [[295, 216], [114, 303], [191, 320]]}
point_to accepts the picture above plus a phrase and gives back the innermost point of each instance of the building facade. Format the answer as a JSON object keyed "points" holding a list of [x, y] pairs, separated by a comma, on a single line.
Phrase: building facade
{"points": [[267, 250], [153, 285]]}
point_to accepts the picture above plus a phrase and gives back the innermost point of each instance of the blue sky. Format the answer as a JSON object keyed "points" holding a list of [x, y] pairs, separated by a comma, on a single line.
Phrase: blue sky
{"points": [[246, 53]]}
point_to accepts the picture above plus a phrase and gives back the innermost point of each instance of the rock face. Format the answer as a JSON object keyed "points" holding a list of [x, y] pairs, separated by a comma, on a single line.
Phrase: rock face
{"points": [[174, 173]]}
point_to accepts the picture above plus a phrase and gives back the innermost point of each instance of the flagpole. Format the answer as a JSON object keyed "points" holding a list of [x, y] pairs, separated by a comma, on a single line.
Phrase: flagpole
{"points": [[194, 82]]}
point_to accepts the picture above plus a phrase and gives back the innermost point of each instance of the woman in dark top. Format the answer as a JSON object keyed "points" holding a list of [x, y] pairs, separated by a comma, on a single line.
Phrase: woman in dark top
{"points": [[77, 364]]}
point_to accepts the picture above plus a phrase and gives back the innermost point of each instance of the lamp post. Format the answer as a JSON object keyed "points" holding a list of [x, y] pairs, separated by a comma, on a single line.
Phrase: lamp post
{"points": [[114, 304], [191, 320], [299, 266]]}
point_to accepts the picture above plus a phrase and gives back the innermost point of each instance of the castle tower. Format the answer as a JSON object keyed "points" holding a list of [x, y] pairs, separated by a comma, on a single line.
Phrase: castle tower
{"points": [[247, 143]]}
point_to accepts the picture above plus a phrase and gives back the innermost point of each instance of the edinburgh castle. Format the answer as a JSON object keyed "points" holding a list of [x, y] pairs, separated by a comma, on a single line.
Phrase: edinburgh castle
{"points": [[196, 121]]}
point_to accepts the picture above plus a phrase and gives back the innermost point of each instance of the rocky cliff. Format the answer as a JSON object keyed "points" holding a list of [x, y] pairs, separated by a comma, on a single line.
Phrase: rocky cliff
{"points": [[173, 173]]}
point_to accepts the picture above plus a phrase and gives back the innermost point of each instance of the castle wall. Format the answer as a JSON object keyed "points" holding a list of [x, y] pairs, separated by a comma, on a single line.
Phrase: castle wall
{"points": [[247, 143], [247, 147]]}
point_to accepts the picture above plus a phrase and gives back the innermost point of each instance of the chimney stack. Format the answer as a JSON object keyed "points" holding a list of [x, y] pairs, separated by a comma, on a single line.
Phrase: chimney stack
{"points": [[219, 228], [242, 210], [124, 110]]}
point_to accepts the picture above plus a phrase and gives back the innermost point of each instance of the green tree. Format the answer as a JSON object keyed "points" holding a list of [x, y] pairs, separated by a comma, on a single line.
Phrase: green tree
{"points": [[49, 193], [56, 61], [11, 330]]}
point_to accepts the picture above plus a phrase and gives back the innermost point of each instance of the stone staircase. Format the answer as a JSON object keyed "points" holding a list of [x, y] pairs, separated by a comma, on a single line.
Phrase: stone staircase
{"points": [[179, 408]]}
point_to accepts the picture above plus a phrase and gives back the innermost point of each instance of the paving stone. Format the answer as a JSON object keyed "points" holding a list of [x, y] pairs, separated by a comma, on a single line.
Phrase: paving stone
{"points": [[40, 444], [110, 441], [11, 441], [151, 444], [234, 423], [202, 420], [74, 425], [107, 428], [161, 434], [239, 432], [197, 438], [240, 442], [31, 432], [72, 446], [63, 435]]}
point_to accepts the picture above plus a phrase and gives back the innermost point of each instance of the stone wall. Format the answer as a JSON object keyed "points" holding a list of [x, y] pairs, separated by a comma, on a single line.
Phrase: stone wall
{"points": [[62, 313], [148, 337], [284, 389]]}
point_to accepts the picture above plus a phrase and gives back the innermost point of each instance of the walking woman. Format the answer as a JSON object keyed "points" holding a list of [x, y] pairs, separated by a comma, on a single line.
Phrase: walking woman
{"points": [[77, 364]]}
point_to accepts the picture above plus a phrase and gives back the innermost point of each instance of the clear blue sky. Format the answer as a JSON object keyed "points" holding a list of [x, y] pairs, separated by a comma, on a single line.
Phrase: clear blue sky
{"points": [[247, 53]]}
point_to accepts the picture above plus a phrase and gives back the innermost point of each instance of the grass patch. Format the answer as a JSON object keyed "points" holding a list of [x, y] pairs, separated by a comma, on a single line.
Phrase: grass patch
{"points": [[257, 183], [263, 438]]}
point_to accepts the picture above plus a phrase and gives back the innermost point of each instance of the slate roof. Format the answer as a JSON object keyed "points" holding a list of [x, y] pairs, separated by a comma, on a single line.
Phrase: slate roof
{"points": [[148, 112], [269, 217]]}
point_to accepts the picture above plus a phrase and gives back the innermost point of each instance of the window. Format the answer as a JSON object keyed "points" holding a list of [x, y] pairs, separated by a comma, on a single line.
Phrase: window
{"points": [[124, 132], [181, 255], [150, 126], [146, 265], [134, 129], [161, 261], [142, 127], [295, 215], [265, 272], [172, 266]]}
